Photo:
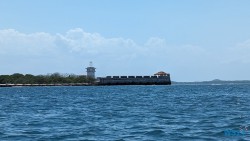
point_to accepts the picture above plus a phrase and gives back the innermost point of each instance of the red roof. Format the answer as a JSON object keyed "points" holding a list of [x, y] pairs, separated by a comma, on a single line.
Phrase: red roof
{"points": [[161, 73]]}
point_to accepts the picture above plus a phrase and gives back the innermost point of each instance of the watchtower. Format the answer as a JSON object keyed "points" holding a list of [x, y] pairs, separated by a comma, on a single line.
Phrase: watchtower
{"points": [[91, 70]]}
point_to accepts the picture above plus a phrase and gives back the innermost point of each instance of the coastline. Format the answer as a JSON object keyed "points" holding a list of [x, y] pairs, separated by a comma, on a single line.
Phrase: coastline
{"points": [[32, 85]]}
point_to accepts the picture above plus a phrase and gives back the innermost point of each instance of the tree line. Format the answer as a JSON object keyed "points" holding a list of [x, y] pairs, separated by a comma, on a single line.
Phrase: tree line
{"points": [[54, 78]]}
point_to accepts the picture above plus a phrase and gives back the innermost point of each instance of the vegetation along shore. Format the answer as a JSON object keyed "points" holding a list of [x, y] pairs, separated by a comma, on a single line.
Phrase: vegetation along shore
{"points": [[55, 79]]}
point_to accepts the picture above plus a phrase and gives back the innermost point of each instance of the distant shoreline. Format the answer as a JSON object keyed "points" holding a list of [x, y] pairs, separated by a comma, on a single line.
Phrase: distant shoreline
{"points": [[32, 85], [216, 81]]}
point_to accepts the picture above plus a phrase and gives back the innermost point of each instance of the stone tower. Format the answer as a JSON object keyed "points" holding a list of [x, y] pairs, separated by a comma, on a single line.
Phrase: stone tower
{"points": [[91, 70]]}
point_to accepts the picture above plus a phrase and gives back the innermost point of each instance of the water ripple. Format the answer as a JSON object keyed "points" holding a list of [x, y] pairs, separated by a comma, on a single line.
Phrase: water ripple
{"points": [[177, 112]]}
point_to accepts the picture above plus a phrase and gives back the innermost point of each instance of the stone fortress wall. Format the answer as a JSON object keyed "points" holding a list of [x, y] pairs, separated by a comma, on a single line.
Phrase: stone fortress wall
{"points": [[134, 80]]}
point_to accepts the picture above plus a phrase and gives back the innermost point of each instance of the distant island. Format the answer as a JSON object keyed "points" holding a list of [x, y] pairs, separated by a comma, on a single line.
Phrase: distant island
{"points": [[215, 81], [54, 78]]}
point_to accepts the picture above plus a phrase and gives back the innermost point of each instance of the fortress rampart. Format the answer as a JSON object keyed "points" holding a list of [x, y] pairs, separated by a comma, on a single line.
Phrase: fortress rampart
{"points": [[134, 80]]}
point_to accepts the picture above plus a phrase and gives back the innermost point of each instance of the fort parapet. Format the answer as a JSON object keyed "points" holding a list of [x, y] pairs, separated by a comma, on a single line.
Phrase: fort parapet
{"points": [[134, 80]]}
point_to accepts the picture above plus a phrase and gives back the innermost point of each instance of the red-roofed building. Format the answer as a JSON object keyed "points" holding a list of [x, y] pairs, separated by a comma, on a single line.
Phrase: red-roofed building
{"points": [[161, 73]]}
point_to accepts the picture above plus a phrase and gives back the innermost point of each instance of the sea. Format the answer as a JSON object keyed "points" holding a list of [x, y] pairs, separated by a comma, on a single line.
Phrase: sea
{"points": [[211, 112]]}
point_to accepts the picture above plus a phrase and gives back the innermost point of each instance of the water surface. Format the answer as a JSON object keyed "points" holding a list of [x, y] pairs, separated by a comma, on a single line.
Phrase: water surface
{"points": [[176, 112]]}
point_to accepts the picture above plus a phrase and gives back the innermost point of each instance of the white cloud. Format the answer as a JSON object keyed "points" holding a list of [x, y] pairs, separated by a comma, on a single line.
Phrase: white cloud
{"points": [[55, 51], [78, 40], [238, 54], [13, 42], [242, 51]]}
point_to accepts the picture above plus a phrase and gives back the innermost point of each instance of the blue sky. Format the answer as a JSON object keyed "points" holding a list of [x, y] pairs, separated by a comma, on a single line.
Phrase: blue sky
{"points": [[193, 40]]}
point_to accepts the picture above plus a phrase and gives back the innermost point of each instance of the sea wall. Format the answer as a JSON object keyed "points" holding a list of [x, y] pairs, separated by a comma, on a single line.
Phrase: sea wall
{"points": [[134, 80]]}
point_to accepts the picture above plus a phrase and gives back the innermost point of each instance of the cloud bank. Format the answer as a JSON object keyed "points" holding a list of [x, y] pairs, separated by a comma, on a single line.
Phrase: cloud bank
{"points": [[70, 52]]}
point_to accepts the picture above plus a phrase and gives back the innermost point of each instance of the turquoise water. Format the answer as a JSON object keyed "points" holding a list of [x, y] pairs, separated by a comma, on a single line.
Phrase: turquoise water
{"points": [[176, 112]]}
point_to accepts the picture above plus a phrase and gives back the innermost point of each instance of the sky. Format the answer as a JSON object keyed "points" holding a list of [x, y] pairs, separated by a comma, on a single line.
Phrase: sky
{"points": [[192, 40]]}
